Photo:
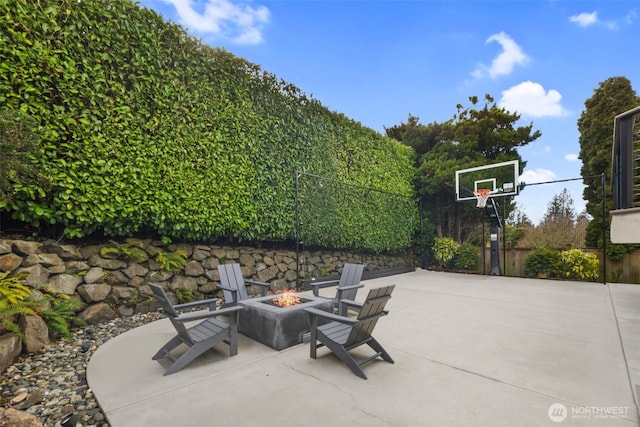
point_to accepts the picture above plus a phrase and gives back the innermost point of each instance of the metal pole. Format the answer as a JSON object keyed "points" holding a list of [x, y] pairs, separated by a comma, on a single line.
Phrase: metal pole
{"points": [[604, 230], [297, 231]]}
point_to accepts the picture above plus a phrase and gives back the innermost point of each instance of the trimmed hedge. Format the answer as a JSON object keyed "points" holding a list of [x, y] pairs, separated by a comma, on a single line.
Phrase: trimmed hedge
{"points": [[146, 129]]}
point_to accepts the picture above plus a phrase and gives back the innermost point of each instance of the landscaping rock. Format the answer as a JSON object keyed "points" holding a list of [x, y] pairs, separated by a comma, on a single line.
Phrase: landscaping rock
{"points": [[180, 282], [96, 292], [97, 313], [37, 275], [63, 284], [47, 260], [135, 269], [94, 275], [14, 418], [22, 247], [10, 348], [36, 333], [96, 260], [5, 246], [10, 262], [66, 252], [193, 268]]}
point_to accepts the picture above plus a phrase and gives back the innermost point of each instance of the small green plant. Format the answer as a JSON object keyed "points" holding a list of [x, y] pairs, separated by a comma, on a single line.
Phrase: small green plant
{"points": [[579, 265], [13, 301], [184, 295], [444, 250], [325, 269], [466, 258], [171, 261], [616, 275], [125, 251], [543, 263], [61, 315]]}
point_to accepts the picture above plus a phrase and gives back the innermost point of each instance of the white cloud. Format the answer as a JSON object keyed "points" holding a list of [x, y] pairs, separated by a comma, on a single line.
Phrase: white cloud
{"points": [[584, 19], [537, 175], [504, 63], [572, 157], [241, 24], [531, 99], [547, 149], [630, 17]]}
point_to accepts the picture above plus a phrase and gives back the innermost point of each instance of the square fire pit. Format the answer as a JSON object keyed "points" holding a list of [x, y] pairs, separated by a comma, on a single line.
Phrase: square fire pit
{"points": [[278, 327]]}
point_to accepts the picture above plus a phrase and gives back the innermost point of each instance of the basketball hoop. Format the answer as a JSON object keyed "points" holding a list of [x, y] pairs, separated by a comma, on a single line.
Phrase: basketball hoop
{"points": [[482, 194]]}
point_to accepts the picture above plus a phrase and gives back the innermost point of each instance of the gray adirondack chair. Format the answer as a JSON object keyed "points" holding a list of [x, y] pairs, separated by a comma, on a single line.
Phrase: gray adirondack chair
{"points": [[344, 334], [347, 287], [234, 286], [198, 338]]}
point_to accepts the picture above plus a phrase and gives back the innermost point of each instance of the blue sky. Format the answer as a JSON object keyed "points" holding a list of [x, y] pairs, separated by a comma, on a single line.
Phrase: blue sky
{"points": [[379, 61]]}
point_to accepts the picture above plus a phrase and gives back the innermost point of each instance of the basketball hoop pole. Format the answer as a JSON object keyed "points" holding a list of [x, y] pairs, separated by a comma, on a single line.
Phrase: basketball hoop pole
{"points": [[494, 233]]}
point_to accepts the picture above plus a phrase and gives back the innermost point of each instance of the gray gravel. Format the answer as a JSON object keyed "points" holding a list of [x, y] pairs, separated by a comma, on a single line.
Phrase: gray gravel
{"points": [[53, 383]]}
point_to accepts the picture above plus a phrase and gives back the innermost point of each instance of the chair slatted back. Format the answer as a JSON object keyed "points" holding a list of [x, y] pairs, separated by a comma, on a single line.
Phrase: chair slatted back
{"points": [[171, 312], [351, 275], [372, 310], [231, 276]]}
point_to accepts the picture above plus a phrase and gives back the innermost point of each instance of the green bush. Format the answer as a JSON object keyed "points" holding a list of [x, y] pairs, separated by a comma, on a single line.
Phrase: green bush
{"points": [[444, 250], [171, 261], [14, 301], [466, 257], [62, 315], [579, 265], [542, 262], [145, 129]]}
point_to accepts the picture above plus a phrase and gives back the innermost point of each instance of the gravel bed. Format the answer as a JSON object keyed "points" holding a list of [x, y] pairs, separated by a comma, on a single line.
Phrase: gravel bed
{"points": [[53, 383]]}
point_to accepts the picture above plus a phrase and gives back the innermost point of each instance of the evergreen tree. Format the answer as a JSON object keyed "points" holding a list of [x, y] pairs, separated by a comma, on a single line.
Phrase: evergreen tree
{"points": [[612, 97], [475, 136]]}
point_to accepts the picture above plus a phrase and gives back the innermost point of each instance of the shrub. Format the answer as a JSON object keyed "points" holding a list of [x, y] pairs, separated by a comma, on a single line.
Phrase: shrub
{"points": [[13, 301], [444, 250], [171, 261], [466, 258], [578, 265], [61, 315], [542, 262]]}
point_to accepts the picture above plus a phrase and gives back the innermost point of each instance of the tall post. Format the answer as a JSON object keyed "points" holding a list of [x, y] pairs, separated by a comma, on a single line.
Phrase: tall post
{"points": [[494, 233], [604, 230], [297, 230]]}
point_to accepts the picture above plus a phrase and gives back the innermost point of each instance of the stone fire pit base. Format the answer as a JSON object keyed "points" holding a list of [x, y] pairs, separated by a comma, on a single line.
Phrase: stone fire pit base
{"points": [[278, 327]]}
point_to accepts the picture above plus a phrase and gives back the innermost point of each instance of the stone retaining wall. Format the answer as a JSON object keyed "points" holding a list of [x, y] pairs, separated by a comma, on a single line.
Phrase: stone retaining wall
{"points": [[111, 278]]}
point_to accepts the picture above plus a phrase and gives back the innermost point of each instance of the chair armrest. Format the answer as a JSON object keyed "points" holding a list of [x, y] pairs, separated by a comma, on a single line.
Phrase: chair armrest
{"points": [[330, 316], [199, 316], [325, 284], [188, 305], [348, 288], [350, 303], [265, 286]]}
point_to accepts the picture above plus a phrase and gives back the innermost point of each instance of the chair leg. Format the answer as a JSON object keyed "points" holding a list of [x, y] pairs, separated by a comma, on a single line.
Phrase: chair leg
{"points": [[313, 338], [167, 348], [233, 334], [375, 345], [343, 355], [187, 357]]}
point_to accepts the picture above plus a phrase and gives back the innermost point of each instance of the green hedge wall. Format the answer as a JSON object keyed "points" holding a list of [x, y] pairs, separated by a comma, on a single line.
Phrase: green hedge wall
{"points": [[147, 129]]}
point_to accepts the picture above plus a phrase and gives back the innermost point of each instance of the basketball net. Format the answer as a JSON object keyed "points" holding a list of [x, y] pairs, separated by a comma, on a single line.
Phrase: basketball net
{"points": [[482, 194]]}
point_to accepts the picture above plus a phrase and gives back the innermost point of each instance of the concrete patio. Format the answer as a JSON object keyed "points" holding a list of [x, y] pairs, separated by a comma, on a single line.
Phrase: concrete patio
{"points": [[469, 350]]}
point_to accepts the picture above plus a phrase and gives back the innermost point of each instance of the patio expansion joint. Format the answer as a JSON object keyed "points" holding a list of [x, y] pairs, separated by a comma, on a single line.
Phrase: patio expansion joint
{"points": [[624, 353], [340, 389], [497, 380]]}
